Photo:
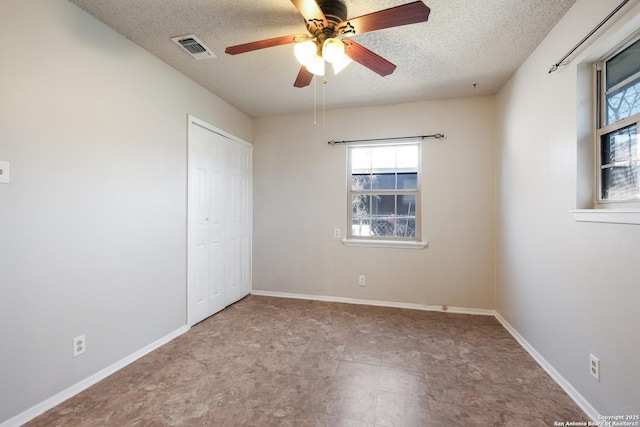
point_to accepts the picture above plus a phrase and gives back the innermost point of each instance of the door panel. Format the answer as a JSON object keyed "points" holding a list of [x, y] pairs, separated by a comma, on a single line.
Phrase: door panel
{"points": [[217, 245], [199, 193], [216, 284], [245, 218]]}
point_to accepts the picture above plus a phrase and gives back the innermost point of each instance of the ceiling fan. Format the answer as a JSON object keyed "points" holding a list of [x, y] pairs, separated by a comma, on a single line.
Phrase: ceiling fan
{"points": [[327, 23]]}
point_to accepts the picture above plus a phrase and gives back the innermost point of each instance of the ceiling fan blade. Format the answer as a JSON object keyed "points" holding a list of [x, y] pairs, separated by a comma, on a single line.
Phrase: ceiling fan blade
{"points": [[369, 59], [410, 13], [304, 78], [276, 41], [311, 12]]}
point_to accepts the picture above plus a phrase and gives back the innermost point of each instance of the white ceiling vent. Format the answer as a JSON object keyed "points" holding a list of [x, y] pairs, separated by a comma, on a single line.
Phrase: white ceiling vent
{"points": [[194, 47]]}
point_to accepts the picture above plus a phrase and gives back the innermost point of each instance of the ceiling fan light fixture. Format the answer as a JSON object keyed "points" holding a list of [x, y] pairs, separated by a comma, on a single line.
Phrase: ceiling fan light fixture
{"points": [[341, 64], [333, 50], [305, 52], [317, 66]]}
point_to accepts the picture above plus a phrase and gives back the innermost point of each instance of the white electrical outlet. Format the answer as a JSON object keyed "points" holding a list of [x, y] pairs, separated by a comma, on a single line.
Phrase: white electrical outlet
{"points": [[5, 175], [336, 232], [79, 345], [361, 280], [594, 368]]}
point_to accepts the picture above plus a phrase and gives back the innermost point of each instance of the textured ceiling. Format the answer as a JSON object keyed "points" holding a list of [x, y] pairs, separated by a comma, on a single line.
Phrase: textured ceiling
{"points": [[465, 42]]}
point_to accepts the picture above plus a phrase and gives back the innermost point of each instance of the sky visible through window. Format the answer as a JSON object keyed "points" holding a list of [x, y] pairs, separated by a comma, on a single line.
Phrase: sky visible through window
{"points": [[371, 159]]}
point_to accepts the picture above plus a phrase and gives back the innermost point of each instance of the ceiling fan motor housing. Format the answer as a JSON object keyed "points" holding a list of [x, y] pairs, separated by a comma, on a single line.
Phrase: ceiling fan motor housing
{"points": [[335, 11]]}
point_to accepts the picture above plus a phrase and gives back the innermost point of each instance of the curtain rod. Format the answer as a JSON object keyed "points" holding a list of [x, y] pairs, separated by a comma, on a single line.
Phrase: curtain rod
{"points": [[581, 42], [435, 136]]}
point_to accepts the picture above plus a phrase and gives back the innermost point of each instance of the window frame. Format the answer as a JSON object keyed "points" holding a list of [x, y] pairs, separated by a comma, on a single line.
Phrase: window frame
{"points": [[385, 241], [602, 129]]}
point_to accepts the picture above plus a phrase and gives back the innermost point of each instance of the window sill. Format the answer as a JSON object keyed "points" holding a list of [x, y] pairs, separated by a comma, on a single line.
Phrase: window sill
{"points": [[612, 216], [398, 244]]}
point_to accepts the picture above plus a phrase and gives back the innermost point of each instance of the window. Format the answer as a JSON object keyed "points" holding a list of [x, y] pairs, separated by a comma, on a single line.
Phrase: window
{"points": [[618, 106], [384, 191]]}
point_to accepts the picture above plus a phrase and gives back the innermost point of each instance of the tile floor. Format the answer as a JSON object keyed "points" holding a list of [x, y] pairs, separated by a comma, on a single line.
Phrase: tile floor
{"points": [[282, 362]]}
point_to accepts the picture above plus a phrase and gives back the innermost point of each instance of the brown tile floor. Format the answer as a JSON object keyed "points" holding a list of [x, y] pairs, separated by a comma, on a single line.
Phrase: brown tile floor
{"points": [[282, 362]]}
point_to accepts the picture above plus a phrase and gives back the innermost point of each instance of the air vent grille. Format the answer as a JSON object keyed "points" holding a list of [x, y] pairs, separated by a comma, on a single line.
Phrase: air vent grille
{"points": [[194, 47]]}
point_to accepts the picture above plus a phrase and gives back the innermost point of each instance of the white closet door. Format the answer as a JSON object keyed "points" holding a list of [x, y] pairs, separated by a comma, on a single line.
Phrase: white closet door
{"points": [[245, 222], [205, 249], [239, 261], [235, 242], [217, 220], [219, 244]]}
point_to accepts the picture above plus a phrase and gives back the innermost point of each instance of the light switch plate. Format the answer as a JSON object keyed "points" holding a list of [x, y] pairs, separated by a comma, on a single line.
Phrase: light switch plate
{"points": [[4, 172]]}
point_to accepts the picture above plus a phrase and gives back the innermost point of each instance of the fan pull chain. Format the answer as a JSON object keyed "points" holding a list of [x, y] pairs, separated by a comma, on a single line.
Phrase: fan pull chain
{"points": [[324, 102], [315, 101]]}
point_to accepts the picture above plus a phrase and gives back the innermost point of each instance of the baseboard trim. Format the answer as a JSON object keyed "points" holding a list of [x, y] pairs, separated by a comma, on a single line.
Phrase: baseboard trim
{"points": [[52, 402], [411, 306], [553, 373]]}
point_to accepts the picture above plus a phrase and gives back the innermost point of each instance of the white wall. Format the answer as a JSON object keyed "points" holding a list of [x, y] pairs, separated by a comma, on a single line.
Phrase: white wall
{"points": [[300, 197], [570, 289], [93, 224]]}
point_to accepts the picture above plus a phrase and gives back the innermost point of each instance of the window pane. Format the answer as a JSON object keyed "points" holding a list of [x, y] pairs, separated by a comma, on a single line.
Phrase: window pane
{"points": [[624, 102], [620, 183], [361, 227], [361, 215], [383, 181], [360, 159], [407, 205], [407, 157], [361, 182], [383, 205], [620, 146], [406, 226], [383, 218], [383, 227], [623, 65], [408, 180], [383, 157], [361, 205]]}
